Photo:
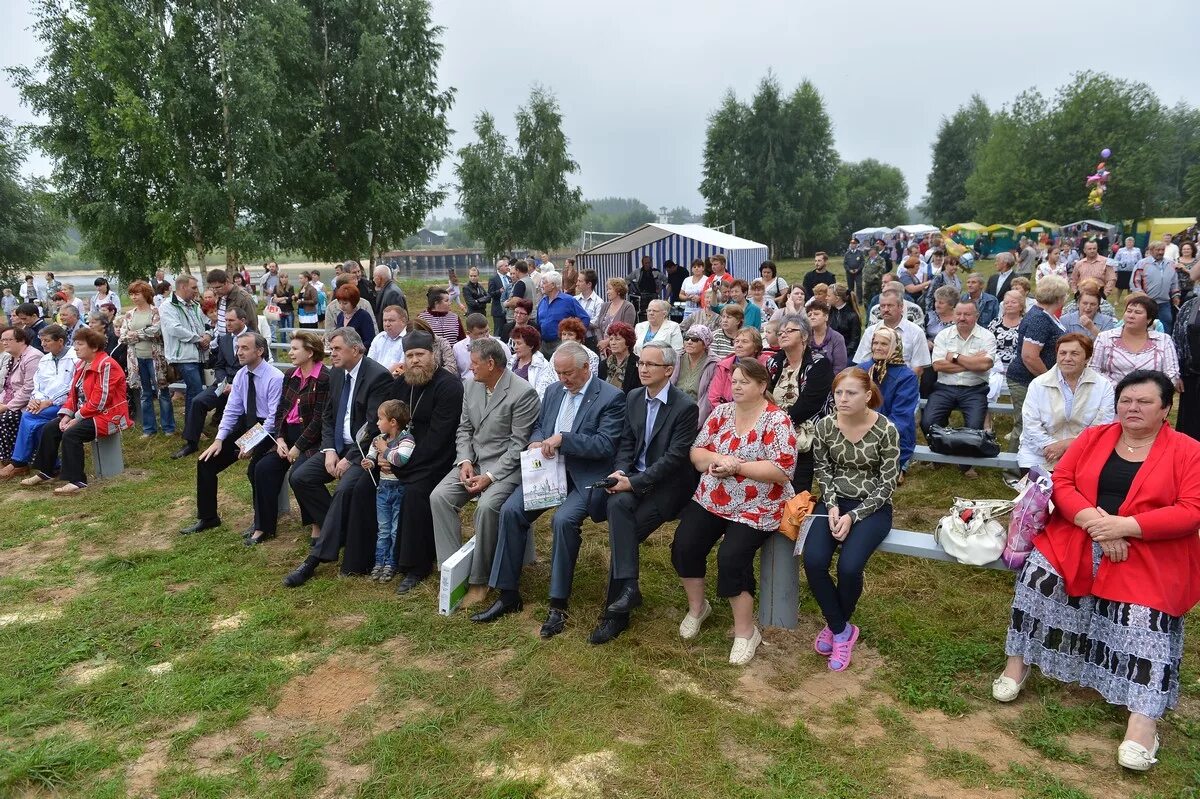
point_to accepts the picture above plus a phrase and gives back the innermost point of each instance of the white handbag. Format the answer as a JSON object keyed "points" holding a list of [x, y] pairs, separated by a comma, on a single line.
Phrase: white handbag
{"points": [[970, 533]]}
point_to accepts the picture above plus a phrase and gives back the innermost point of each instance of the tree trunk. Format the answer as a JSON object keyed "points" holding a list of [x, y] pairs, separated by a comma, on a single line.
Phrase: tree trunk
{"points": [[373, 250], [231, 255]]}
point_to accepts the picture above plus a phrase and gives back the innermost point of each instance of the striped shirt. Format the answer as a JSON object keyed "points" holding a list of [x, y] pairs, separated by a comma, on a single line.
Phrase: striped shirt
{"points": [[444, 324]]}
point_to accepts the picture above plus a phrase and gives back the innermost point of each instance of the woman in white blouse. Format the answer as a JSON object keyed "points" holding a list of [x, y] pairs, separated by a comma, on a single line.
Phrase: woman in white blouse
{"points": [[693, 287], [658, 327], [1061, 403]]}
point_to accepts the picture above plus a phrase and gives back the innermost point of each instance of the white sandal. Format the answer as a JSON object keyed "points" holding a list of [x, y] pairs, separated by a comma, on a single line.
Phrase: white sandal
{"points": [[744, 648], [690, 626], [1132, 755], [1006, 689]]}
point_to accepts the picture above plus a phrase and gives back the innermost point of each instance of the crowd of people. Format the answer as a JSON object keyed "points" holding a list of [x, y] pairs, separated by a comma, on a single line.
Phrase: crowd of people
{"points": [[387, 426]]}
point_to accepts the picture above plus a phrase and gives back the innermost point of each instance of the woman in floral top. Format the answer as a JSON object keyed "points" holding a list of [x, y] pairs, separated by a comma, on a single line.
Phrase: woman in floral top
{"points": [[746, 453], [857, 454]]}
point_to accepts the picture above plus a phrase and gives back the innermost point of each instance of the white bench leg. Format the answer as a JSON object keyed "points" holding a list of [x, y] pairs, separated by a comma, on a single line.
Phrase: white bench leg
{"points": [[779, 583], [107, 458]]}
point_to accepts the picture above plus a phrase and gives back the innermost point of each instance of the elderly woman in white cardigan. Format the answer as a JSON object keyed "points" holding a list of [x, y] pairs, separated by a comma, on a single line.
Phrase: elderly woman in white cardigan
{"points": [[1062, 402], [658, 327]]}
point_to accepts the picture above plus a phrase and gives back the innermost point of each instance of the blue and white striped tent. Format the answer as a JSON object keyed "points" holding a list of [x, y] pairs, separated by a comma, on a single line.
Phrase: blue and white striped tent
{"points": [[679, 243]]}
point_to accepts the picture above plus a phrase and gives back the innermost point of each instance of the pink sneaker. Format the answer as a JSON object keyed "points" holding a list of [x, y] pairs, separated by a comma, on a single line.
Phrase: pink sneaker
{"points": [[824, 642], [842, 650]]}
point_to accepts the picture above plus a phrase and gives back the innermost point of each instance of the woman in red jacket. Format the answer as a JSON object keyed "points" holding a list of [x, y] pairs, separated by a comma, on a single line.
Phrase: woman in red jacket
{"points": [[95, 407], [1101, 600]]}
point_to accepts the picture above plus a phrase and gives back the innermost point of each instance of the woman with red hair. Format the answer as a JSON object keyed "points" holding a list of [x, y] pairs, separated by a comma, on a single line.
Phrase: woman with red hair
{"points": [[350, 315], [620, 368], [856, 455]]}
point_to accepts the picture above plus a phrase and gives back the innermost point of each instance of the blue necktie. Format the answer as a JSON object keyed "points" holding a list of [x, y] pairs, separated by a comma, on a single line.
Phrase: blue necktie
{"points": [[343, 403]]}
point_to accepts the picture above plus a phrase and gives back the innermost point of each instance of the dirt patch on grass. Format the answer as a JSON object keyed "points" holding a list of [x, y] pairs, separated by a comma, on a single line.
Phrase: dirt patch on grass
{"points": [[29, 616], [332, 690], [25, 559], [910, 775], [229, 622], [581, 776], [399, 651], [89, 671], [749, 762], [350, 621], [142, 775]]}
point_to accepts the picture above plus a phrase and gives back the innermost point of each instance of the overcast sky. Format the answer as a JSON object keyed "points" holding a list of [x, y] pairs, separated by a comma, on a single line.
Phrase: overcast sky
{"points": [[637, 80]]}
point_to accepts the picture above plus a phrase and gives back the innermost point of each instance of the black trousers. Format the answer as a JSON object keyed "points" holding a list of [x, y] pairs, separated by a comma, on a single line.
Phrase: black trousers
{"points": [[631, 520], [498, 323], [331, 512], [205, 402], [71, 443], [207, 472], [971, 400], [699, 531], [267, 480]]}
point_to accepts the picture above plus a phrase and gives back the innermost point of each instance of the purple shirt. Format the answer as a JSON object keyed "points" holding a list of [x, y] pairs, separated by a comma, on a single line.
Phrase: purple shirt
{"points": [[268, 391]]}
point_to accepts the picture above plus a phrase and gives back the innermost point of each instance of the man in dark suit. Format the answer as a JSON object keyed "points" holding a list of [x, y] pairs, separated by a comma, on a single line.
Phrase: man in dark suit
{"points": [[654, 475], [387, 294], [357, 385], [581, 421], [498, 285], [1000, 282], [213, 398]]}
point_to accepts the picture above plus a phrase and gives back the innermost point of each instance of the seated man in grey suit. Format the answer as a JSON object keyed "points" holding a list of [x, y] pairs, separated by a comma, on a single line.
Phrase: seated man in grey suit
{"points": [[499, 411], [581, 420], [654, 475]]}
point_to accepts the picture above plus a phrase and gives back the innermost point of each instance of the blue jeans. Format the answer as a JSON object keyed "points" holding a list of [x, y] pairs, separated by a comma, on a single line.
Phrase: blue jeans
{"points": [[193, 380], [150, 391], [1166, 315], [29, 434], [389, 498], [839, 601]]}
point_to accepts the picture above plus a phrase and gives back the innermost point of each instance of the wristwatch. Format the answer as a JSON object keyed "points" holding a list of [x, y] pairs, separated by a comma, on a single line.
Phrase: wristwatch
{"points": [[954, 357]]}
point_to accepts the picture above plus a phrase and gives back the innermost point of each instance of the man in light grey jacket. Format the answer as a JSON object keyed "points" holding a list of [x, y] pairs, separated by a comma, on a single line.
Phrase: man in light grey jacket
{"points": [[185, 343], [499, 411]]}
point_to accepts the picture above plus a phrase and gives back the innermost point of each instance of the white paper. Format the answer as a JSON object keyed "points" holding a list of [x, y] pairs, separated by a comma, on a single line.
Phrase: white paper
{"points": [[543, 480], [455, 572], [252, 438]]}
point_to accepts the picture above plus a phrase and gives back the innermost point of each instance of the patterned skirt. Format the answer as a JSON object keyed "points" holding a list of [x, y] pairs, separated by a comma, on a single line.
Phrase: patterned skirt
{"points": [[1129, 653]]}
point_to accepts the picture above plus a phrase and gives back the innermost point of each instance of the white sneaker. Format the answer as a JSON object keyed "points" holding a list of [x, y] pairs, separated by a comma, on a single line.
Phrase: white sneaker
{"points": [[1006, 689], [744, 649], [1132, 755], [690, 626]]}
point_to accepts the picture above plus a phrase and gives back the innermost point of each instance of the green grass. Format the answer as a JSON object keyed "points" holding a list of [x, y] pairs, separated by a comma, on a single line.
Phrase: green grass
{"points": [[440, 707]]}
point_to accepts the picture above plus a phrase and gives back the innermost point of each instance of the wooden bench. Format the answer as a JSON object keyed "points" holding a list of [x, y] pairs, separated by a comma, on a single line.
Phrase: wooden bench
{"points": [[779, 592], [1005, 460], [107, 458]]}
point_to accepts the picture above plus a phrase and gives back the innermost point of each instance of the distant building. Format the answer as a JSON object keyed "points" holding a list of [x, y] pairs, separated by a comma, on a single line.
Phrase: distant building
{"points": [[431, 238]]}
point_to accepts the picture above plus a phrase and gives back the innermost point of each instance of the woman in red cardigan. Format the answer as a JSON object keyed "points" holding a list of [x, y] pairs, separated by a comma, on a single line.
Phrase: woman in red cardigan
{"points": [[95, 407], [1101, 600]]}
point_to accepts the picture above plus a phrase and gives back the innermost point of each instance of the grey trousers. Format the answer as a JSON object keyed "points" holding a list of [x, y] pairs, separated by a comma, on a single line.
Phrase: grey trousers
{"points": [[1017, 392], [447, 502]]}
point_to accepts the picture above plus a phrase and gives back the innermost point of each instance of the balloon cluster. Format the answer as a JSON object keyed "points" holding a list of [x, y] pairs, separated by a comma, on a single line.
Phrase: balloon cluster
{"points": [[1097, 182]]}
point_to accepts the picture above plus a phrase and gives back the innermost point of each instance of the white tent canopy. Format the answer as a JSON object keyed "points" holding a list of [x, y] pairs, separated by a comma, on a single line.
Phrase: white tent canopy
{"points": [[679, 243], [871, 233], [915, 230]]}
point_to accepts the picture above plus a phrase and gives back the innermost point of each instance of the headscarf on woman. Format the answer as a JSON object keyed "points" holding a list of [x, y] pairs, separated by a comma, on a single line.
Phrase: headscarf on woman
{"points": [[895, 354]]}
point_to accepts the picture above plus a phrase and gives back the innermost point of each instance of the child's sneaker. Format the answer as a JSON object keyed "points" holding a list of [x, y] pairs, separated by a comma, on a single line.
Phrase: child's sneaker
{"points": [[378, 570], [386, 574]]}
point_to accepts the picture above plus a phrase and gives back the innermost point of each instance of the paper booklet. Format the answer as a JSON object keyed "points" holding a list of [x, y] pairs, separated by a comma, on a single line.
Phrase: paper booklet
{"points": [[252, 438], [543, 480]]}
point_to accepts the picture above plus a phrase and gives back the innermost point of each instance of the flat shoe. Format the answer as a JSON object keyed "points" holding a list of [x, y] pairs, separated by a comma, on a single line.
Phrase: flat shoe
{"points": [[1132, 755], [690, 626], [744, 648], [843, 651], [68, 489], [35, 480], [1006, 689], [824, 639]]}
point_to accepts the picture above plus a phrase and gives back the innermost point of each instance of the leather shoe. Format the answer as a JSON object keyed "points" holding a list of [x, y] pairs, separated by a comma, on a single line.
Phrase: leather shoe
{"points": [[496, 611], [248, 532], [251, 541], [409, 582], [200, 526], [300, 575], [187, 449], [629, 598], [608, 629], [556, 622]]}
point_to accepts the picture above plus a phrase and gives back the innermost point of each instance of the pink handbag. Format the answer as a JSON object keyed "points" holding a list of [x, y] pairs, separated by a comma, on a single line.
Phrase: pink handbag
{"points": [[1029, 517]]}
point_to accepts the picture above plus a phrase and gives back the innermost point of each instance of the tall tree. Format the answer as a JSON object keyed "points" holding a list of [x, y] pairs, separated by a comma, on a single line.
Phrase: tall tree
{"points": [[547, 208], [876, 194], [486, 187], [954, 155], [376, 128], [29, 229], [772, 167]]}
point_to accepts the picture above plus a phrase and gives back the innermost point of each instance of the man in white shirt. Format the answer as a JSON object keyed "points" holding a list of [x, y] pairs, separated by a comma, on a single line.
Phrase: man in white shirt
{"points": [[1171, 253], [476, 325], [387, 348], [963, 355], [891, 313]]}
